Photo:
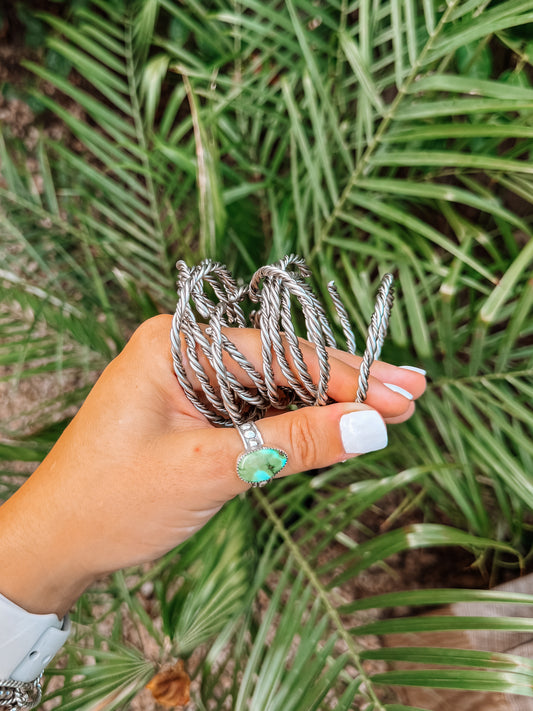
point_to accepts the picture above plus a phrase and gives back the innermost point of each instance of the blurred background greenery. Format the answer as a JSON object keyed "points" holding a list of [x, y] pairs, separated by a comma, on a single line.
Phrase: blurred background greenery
{"points": [[366, 136]]}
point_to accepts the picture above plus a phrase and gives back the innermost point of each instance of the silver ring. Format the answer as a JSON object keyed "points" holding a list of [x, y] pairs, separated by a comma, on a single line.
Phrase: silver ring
{"points": [[258, 464]]}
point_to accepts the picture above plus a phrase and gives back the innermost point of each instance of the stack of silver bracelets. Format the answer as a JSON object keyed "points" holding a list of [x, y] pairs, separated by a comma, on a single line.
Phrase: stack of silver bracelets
{"points": [[276, 293]]}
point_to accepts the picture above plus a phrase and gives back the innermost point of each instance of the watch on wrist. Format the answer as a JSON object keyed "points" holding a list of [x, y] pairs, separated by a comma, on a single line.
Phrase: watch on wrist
{"points": [[27, 643]]}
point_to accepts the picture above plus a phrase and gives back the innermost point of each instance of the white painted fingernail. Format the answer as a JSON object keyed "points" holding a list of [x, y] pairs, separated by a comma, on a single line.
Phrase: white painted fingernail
{"points": [[415, 370], [398, 389], [363, 431]]}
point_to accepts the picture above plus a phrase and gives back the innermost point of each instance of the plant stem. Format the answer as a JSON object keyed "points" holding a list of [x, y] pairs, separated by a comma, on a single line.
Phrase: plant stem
{"points": [[323, 595], [141, 140]]}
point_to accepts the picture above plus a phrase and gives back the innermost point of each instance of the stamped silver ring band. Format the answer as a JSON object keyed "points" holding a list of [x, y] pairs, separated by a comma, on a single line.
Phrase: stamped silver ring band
{"points": [[250, 436], [258, 464]]}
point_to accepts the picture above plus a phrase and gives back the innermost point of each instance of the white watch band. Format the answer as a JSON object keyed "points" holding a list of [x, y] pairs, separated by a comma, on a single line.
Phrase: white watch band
{"points": [[27, 641]]}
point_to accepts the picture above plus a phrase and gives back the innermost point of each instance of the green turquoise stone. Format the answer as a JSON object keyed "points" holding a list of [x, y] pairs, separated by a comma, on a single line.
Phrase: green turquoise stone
{"points": [[260, 466]]}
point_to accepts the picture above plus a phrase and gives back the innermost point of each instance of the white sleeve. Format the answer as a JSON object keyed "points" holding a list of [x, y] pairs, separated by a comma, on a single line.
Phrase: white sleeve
{"points": [[27, 641]]}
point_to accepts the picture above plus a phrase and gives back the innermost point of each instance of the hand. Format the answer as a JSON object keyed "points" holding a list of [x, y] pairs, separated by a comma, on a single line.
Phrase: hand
{"points": [[139, 470]]}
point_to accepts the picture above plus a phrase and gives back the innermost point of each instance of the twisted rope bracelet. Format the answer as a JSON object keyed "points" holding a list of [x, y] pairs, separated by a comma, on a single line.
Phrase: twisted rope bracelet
{"points": [[276, 288], [20, 694]]}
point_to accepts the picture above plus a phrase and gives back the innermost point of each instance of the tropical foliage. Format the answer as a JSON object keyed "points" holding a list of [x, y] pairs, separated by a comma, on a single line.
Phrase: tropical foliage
{"points": [[366, 136]]}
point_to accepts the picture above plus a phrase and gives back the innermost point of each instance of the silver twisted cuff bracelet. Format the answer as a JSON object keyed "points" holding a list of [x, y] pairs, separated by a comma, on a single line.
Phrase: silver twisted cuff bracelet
{"points": [[20, 694], [283, 296]]}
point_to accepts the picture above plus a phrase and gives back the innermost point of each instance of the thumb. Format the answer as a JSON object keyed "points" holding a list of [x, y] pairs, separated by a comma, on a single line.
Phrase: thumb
{"points": [[314, 437]]}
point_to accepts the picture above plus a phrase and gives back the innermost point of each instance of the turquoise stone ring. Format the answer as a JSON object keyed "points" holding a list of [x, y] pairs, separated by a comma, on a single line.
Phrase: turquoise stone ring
{"points": [[258, 464]]}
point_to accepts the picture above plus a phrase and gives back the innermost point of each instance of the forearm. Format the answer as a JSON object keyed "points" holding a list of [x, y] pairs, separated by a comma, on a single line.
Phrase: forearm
{"points": [[39, 581], [40, 565]]}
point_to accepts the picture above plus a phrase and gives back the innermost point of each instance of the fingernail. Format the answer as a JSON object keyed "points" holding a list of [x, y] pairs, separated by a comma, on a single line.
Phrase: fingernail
{"points": [[415, 370], [398, 389], [363, 431]]}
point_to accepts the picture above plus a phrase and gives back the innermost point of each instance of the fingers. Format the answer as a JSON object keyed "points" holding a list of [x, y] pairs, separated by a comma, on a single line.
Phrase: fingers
{"points": [[407, 377], [403, 417], [312, 438], [343, 384], [316, 437], [391, 389], [407, 384]]}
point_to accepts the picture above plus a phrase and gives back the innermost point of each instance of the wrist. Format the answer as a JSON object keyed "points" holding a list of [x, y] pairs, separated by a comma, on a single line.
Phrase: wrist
{"points": [[41, 568]]}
